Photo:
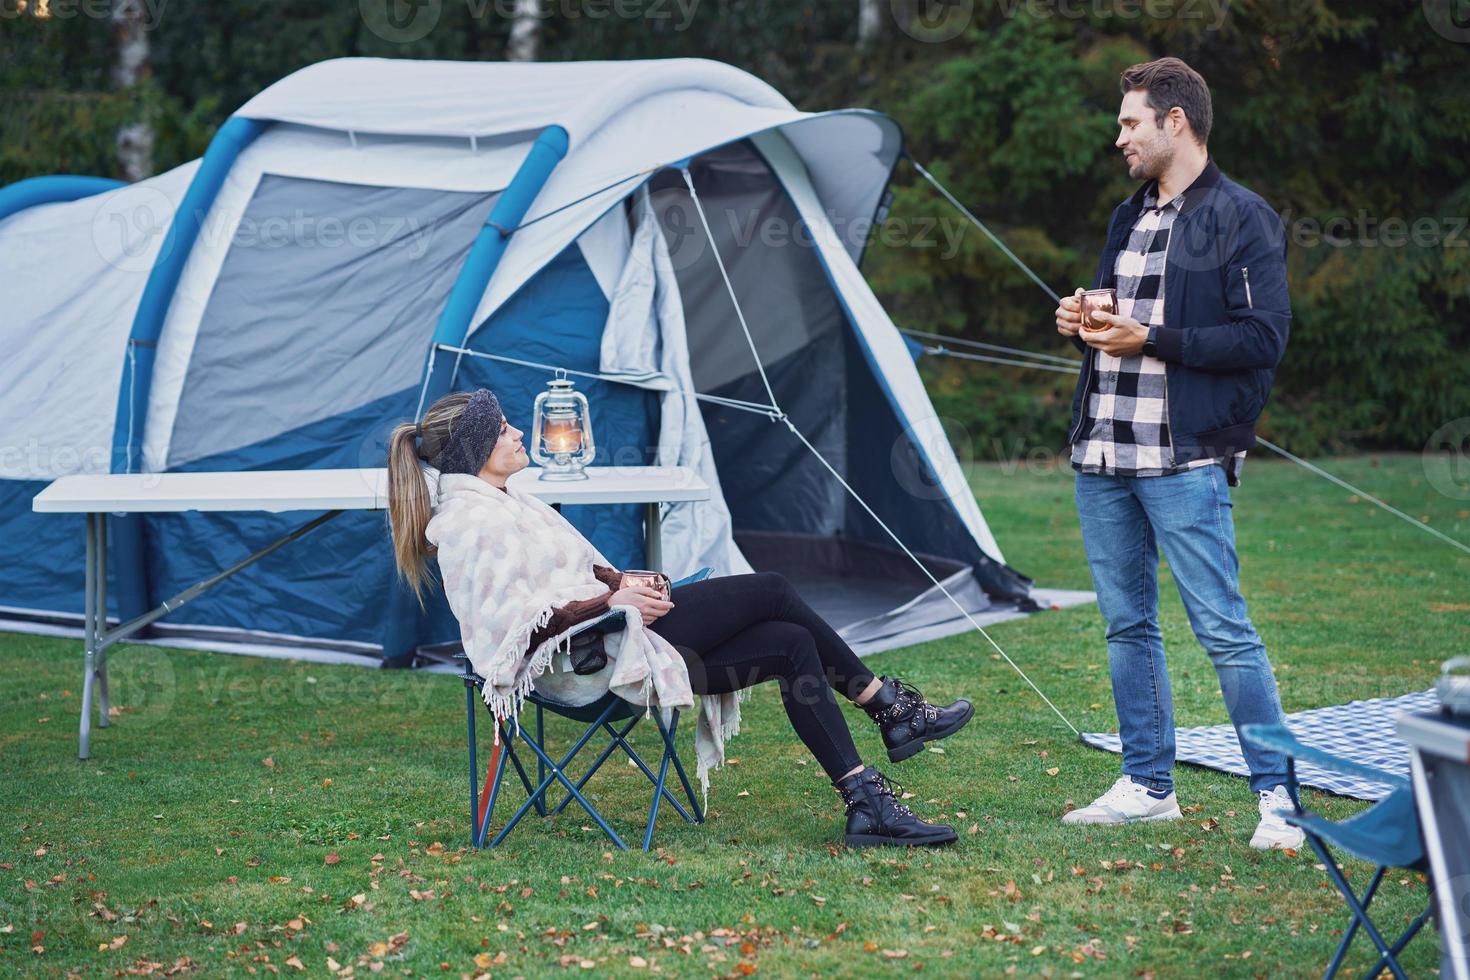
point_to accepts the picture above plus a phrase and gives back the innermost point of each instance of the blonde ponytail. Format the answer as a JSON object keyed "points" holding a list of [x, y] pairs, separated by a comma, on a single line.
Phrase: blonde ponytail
{"points": [[409, 505]]}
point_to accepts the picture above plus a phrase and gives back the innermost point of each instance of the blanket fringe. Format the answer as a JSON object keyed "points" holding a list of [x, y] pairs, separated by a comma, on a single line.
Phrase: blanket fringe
{"points": [[506, 706]]}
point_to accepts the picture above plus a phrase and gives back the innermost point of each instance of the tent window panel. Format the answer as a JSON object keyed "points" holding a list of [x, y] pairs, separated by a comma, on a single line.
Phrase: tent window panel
{"points": [[326, 301], [769, 255], [796, 324]]}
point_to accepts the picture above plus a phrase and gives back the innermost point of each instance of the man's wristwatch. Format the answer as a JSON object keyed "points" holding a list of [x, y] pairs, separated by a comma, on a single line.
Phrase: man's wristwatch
{"points": [[1150, 344]]}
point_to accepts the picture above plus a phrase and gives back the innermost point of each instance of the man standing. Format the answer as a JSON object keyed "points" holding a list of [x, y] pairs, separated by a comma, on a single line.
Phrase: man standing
{"points": [[1164, 411]]}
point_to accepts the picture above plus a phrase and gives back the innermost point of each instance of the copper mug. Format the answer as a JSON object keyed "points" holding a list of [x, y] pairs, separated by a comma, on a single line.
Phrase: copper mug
{"points": [[1097, 301], [642, 578]]}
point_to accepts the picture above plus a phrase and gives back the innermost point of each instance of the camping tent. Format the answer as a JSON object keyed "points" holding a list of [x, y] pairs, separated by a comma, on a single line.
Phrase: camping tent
{"points": [[360, 233]]}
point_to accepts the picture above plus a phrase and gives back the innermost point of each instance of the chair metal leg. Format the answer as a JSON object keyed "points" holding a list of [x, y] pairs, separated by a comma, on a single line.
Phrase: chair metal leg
{"points": [[679, 768], [510, 750], [1352, 929], [1359, 910], [540, 767], [469, 707], [557, 773], [549, 771], [615, 737], [663, 774], [493, 778], [637, 760], [1389, 958], [616, 740]]}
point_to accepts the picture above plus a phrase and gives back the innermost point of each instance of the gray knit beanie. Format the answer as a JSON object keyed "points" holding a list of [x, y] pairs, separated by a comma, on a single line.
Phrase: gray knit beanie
{"points": [[472, 436]]}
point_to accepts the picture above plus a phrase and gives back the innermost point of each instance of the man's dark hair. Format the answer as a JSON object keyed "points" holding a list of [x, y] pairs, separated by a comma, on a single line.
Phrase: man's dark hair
{"points": [[1170, 82]]}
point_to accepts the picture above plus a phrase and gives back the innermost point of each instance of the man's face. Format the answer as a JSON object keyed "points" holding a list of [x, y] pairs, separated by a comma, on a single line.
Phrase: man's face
{"points": [[1147, 149]]}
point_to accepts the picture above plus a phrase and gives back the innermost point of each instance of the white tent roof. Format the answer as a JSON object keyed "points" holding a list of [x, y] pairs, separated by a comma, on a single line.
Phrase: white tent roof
{"points": [[623, 118], [483, 98]]}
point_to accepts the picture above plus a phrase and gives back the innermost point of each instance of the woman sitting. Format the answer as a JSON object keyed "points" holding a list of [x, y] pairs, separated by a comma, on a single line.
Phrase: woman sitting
{"points": [[518, 577]]}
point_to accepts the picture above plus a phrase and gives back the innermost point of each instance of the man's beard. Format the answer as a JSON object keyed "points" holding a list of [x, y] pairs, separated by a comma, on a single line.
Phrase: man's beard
{"points": [[1152, 164]]}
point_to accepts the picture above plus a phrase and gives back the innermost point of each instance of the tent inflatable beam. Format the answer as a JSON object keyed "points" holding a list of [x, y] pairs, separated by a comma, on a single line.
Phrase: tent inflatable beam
{"points": [[401, 619], [128, 556], [53, 189]]}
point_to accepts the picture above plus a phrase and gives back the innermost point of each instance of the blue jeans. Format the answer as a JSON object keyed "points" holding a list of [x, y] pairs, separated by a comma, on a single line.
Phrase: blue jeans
{"points": [[1124, 521]]}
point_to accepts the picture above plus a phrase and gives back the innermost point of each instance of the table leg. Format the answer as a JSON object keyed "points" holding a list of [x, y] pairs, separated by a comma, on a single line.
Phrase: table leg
{"points": [[652, 540], [89, 638], [104, 714]]}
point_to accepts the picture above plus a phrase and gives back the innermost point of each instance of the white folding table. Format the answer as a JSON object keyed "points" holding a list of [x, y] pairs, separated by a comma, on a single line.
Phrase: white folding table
{"points": [[278, 491]]}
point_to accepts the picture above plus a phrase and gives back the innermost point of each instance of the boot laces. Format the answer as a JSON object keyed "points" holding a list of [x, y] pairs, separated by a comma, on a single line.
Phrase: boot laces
{"points": [[892, 789], [882, 786], [911, 697]]}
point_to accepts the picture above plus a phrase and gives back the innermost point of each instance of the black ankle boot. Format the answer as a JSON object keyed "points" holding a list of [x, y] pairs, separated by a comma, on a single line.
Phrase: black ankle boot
{"points": [[875, 818], [907, 721]]}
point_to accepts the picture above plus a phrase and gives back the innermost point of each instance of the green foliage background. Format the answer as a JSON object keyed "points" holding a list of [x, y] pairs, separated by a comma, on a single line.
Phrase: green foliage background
{"points": [[1352, 110]]}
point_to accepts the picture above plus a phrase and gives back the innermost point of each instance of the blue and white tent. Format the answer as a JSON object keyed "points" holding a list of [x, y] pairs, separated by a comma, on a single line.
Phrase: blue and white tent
{"points": [[360, 233]]}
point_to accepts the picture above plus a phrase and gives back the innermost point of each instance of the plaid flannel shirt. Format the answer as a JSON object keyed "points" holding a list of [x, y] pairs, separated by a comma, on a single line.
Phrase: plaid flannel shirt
{"points": [[1126, 432]]}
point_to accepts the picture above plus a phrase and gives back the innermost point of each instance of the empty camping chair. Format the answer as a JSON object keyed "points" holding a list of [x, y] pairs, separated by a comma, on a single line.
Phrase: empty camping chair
{"points": [[610, 715], [1386, 835]]}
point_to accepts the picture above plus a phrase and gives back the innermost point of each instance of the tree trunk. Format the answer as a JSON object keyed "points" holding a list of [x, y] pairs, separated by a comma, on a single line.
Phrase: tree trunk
{"points": [[870, 22], [130, 34], [525, 31]]}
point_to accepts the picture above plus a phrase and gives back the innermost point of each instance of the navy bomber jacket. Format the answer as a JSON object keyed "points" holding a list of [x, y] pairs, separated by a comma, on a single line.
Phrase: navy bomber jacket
{"points": [[1226, 315]]}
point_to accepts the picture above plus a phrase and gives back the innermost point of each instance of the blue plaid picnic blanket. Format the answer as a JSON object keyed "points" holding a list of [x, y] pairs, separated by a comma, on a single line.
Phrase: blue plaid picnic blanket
{"points": [[1359, 730]]}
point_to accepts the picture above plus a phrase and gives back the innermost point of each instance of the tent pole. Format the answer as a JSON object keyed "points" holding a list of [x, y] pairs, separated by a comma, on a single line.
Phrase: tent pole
{"points": [[52, 189], [401, 619], [129, 552]]}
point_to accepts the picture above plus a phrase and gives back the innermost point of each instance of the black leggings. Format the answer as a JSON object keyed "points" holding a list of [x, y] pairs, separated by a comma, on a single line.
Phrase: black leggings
{"points": [[739, 630]]}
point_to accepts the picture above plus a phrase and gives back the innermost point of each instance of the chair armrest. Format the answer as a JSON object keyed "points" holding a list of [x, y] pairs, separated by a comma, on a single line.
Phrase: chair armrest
{"points": [[698, 576], [1280, 738], [612, 621]]}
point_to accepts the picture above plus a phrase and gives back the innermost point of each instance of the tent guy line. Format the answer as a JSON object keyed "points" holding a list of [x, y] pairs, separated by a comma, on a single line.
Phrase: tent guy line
{"points": [[507, 232], [1366, 496], [1071, 362], [783, 417], [1311, 468], [981, 225], [757, 408], [941, 351], [725, 276]]}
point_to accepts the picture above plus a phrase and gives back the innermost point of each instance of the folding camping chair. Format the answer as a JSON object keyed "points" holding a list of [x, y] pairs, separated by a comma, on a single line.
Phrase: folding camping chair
{"points": [[603, 716], [1386, 835]]}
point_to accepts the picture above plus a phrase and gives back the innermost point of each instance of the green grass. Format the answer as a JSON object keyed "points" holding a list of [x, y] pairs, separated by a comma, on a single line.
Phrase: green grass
{"points": [[236, 805]]}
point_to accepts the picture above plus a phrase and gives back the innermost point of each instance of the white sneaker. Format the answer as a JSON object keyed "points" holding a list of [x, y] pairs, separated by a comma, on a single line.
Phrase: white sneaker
{"points": [[1126, 802], [1273, 830]]}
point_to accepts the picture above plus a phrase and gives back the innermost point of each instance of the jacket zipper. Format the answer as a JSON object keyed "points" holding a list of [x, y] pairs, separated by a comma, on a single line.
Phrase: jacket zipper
{"points": [[1168, 423], [1245, 275], [1086, 384]]}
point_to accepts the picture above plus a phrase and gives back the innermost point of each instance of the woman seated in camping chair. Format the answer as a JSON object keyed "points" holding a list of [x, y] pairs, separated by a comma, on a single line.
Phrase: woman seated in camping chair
{"points": [[518, 577]]}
